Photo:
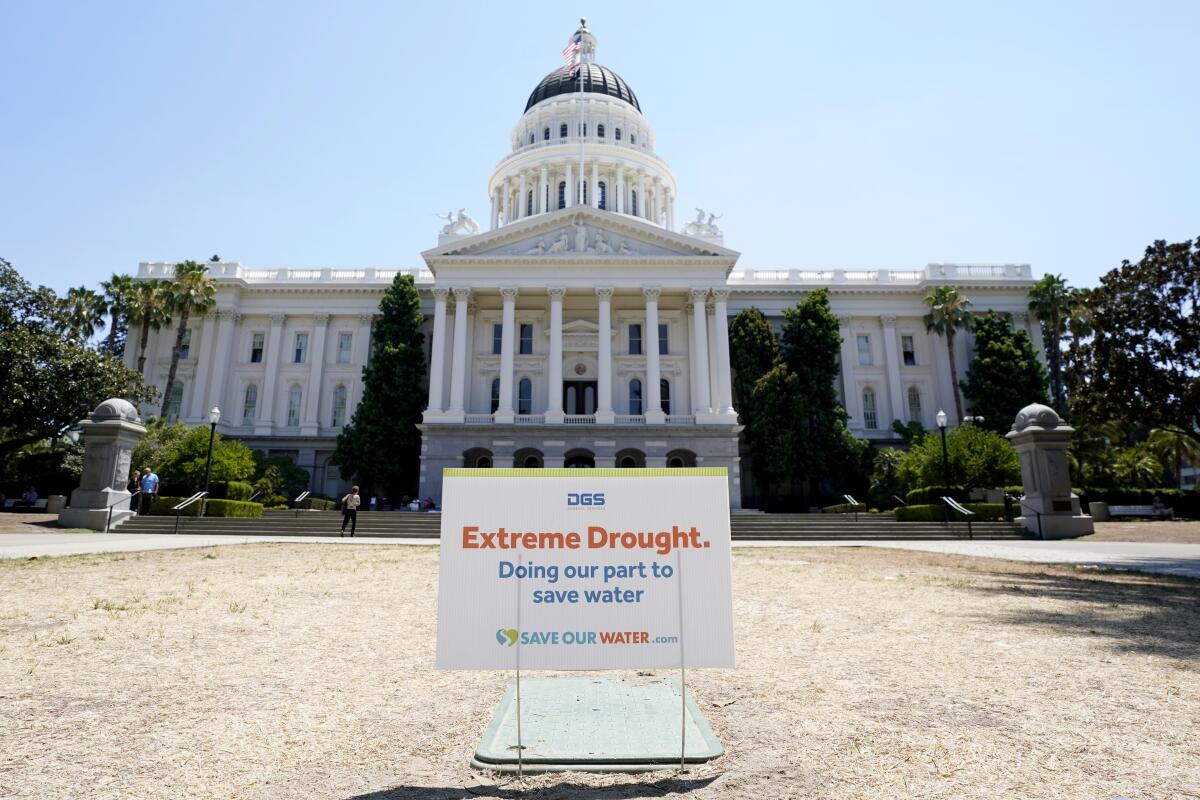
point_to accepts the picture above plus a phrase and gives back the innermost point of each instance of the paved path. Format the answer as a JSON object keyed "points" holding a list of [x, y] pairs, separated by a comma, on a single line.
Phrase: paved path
{"points": [[1168, 558]]}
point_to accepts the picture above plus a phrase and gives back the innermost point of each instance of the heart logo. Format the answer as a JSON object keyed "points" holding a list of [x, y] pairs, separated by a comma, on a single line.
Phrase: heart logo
{"points": [[507, 636]]}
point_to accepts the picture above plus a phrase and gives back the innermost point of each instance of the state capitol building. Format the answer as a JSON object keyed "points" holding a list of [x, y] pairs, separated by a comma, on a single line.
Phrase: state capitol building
{"points": [[586, 327]]}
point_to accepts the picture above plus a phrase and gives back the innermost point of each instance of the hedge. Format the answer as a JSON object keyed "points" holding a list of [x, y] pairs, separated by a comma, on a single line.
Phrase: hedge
{"points": [[934, 494], [984, 512], [843, 508], [1185, 503], [317, 504], [215, 508]]}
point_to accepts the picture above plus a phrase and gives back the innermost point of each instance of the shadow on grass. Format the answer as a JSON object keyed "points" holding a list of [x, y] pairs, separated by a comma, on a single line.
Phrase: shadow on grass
{"points": [[1135, 612], [616, 791]]}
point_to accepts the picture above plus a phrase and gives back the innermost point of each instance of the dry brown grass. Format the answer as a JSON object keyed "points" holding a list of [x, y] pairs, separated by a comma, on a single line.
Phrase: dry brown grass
{"points": [[281, 671]]}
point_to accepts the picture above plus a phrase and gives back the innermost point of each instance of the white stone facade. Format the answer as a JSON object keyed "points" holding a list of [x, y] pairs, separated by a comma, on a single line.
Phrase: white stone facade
{"points": [[578, 330]]}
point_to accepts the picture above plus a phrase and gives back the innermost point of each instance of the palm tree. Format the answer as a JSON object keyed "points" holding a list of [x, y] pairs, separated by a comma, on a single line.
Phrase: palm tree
{"points": [[1177, 445], [82, 312], [149, 307], [191, 291], [118, 294], [1135, 466], [1053, 301], [947, 313]]}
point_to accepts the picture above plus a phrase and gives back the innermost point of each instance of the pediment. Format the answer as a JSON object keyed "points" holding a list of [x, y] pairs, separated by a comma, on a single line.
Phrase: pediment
{"points": [[578, 233]]}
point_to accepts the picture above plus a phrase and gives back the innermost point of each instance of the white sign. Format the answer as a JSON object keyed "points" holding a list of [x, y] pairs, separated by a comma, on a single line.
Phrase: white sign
{"points": [[585, 569]]}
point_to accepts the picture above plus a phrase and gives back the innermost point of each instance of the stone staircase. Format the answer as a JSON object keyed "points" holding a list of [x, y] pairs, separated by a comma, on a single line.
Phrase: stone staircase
{"points": [[416, 525]]}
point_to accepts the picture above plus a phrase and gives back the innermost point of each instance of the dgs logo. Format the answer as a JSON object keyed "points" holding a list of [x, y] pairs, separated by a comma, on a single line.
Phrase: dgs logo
{"points": [[575, 499]]}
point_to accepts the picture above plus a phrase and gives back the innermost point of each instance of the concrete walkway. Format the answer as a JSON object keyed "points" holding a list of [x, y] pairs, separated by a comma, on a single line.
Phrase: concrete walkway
{"points": [[1166, 558]]}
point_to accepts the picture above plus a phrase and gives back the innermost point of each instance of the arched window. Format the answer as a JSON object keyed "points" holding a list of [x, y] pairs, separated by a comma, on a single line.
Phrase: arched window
{"points": [[176, 401], [562, 194], [529, 204], [635, 396], [628, 462], [633, 202], [664, 395], [339, 406], [583, 193], [632, 139], [562, 131], [914, 404], [531, 137], [293, 408], [583, 129], [525, 396], [602, 187], [599, 131], [675, 462], [495, 394], [546, 134], [249, 404], [870, 417], [532, 462], [483, 462], [617, 134]]}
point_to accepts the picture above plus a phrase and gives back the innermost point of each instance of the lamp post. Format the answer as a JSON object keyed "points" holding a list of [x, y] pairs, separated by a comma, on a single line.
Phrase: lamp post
{"points": [[941, 423], [214, 417]]}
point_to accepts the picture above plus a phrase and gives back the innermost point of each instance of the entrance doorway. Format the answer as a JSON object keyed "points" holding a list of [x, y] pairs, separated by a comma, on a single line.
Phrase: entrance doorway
{"points": [[579, 397]]}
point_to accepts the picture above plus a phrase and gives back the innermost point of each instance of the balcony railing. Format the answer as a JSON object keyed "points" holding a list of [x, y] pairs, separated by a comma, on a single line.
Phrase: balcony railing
{"points": [[580, 419], [631, 419], [680, 419], [530, 419], [478, 419]]}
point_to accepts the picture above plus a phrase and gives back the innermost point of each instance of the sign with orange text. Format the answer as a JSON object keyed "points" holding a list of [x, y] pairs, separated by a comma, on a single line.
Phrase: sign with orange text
{"points": [[585, 569]]}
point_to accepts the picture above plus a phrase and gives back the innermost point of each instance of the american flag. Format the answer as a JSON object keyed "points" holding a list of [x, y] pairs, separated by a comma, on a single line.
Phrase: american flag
{"points": [[570, 51]]}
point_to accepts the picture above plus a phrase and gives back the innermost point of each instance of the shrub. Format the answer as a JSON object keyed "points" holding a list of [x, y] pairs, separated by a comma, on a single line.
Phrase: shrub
{"points": [[843, 508], [978, 458], [1186, 504], [936, 512], [316, 504], [933, 495], [215, 508], [238, 490]]}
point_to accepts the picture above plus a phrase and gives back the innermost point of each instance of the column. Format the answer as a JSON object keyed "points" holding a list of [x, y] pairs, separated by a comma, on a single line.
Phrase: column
{"points": [[266, 408], [507, 200], [495, 209], [670, 198], [458, 368], [554, 406], [227, 321], [604, 392], [521, 207], [891, 356], [712, 354], [701, 404], [569, 193], [504, 411], [543, 190], [849, 387], [204, 360], [723, 403], [316, 353], [651, 397], [655, 216], [620, 190], [595, 184], [643, 206], [691, 338], [437, 352], [359, 355]]}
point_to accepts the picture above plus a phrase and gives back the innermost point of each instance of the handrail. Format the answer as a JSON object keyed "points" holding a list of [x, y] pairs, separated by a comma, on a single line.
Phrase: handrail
{"points": [[179, 508], [1023, 504], [108, 522], [850, 499], [296, 503], [256, 494], [961, 509], [898, 500]]}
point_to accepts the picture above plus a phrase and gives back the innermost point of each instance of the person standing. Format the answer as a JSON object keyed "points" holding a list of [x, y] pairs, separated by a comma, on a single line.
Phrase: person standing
{"points": [[350, 504], [149, 487]]}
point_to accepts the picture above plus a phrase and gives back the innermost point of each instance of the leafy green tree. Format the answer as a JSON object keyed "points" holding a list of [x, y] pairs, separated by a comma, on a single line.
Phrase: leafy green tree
{"points": [[1137, 466], [149, 308], [118, 294], [1142, 362], [911, 432], [949, 311], [192, 292], [1054, 303], [753, 351], [381, 445], [51, 379], [771, 431], [81, 313], [885, 477], [185, 464], [279, 476], [1005, 374], [158, 445], [1176, 447], [978, 458]]}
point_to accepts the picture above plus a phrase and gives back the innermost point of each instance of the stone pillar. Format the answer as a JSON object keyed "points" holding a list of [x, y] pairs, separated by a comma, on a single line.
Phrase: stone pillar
{"points": [[504, 411], [554, 406], [691, 339], [316, 369], [507, 202], [360, 355], [495, 209], [620, 190], [437, 362], [712, 355], [723, 402], [227, 322], [543, 190], [701, 404], [109, 435], [521, 195], [569, 192], [204, 364], [643, 206], [651, 396], [604, 392], [849, 390], [595, 184], [266, 413], [891, 357], [458, 368], [1041, 438], [670, 200]]}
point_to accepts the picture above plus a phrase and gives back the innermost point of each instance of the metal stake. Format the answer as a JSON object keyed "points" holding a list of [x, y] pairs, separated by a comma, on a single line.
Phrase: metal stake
{"points": [[520, 744], [682, 670]]}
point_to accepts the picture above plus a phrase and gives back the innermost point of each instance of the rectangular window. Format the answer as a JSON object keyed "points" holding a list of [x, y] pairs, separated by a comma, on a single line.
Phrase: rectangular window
{"points": [[864, 350], [301, 348], [526, 338], [870, 417], [293, 411], [635, 340], [256, 347], [497, 338], [663, 340], [185, 346], [910, 352], [345, 345]]}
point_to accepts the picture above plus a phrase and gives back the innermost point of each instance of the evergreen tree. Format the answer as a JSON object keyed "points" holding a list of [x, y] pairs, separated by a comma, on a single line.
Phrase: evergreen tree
{"points": [[1005, 374], [753, 351], [381, 447]]}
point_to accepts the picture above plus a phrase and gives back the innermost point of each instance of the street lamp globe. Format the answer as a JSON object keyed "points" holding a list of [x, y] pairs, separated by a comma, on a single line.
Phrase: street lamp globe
{"points": [[941, 419], [214, 416]]}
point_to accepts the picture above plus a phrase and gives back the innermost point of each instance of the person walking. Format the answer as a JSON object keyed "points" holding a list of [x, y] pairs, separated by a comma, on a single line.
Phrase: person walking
{"points": [[149, 489], [350, 504]]}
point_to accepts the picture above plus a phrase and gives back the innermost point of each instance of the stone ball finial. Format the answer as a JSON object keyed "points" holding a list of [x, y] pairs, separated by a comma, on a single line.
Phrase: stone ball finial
{"points": [[115, 408], [1042, 416]]}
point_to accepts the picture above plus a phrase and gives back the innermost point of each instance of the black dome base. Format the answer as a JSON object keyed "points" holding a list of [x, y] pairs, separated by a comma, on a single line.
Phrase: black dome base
{"points": [[596, 79]]}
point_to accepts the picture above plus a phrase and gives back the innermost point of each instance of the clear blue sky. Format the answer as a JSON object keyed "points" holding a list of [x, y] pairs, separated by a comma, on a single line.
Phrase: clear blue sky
{"points": [[1062, 134]]}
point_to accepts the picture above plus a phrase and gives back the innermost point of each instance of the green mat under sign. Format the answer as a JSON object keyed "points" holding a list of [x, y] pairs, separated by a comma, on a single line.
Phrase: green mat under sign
{"points": [[595, 724]]}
